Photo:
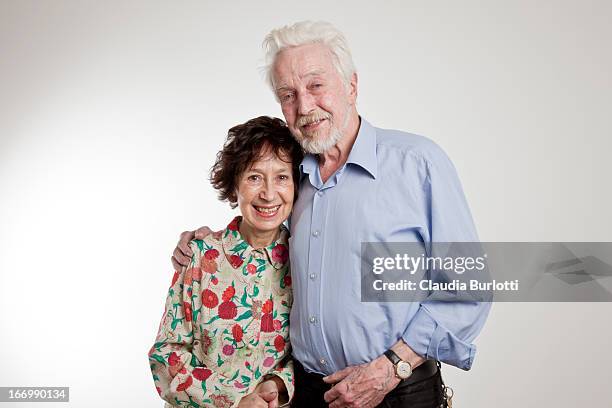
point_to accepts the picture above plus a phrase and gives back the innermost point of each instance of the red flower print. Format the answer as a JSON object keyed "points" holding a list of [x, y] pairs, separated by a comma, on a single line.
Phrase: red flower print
{"points": [[267, 306], [227, 310], [206, 341], [173, 359], [158, 391], [256, 309], [188, 312], [211, 254], [188, 280], [175, 278], [175, 369], [228, 294], [280, 253], [228, 349], [268, 361], [221, 401], [287, 280], [185, 385], [208, 265], [279, 343], [251, 268], [214, 280], [247, 364], [196, 274], [237, 332], [201, 374], [267, 325], [209, 298], [233, 226], [235, 261], [277, 324], [239, 385]]}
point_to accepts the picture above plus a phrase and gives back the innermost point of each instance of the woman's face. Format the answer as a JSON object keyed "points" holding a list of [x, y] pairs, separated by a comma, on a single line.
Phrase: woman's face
{"points": [[265, 193]]}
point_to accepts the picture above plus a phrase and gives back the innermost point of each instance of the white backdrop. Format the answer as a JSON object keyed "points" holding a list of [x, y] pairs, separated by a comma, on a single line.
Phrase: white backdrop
{"points": [[111, 113]]}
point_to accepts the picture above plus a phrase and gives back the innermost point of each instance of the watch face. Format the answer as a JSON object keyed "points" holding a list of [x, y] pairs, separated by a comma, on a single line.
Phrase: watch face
{"points": [[403, 370]]}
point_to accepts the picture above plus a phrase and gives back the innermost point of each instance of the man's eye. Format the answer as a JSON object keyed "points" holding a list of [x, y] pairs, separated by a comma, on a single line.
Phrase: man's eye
{"points": [[283, 177], [286, 97]]}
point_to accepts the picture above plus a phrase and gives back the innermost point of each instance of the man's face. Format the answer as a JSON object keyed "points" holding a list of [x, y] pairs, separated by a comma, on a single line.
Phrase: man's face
{"points": [[315, 100]]}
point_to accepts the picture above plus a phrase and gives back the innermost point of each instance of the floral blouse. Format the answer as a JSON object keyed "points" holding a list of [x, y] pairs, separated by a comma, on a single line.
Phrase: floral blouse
{"points": [[226, 322]]}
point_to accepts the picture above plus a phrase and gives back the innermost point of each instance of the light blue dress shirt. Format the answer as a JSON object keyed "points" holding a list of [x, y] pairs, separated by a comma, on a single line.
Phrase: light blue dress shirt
{"points": [[394, 187]]}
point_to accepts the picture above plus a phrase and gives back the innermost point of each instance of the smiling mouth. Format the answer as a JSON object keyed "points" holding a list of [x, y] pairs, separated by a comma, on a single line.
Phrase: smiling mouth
{"points": [[312, 125], [267, 211]]}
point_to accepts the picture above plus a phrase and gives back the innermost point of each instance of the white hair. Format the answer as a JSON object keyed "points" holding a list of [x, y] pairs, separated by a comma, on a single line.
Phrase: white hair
{"points": [[309, 32]]}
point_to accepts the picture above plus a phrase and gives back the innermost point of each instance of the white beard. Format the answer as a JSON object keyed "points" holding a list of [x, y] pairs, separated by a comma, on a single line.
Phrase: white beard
{"points": [[320, 146]]}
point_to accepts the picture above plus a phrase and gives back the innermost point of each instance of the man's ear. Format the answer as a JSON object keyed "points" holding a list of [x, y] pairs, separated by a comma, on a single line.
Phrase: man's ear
{"points": [[353, 88]]}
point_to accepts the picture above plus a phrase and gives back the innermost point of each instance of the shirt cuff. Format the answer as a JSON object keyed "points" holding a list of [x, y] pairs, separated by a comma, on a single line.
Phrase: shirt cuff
{"points": [[431, 340]]}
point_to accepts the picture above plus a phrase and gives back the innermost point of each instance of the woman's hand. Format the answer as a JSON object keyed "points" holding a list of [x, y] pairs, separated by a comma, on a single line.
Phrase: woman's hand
{"points": [[268, 391], [257, 399], [265, 395]]}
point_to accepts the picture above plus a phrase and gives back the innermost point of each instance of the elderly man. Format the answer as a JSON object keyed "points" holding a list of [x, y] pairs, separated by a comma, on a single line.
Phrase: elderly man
{"points": [[361, 184]]}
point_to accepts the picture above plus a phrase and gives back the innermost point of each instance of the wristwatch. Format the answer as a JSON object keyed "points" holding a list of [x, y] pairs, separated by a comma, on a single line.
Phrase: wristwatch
{"points": [[403, 369]]}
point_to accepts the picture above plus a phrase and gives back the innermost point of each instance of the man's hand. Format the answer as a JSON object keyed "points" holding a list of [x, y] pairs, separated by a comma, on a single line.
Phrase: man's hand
{"points": [[182, 253], [361, 386]]}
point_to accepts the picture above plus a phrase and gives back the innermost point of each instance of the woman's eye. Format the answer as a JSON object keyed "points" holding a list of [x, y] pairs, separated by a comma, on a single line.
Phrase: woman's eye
{"points": [[253, 177]]}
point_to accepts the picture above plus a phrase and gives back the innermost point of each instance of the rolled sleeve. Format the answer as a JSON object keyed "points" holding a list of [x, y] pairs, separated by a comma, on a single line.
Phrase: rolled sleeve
{"points": [[432, 340]]}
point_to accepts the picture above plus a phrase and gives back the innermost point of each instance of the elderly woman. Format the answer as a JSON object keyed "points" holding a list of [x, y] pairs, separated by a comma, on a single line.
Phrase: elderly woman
{"points": [[223, 338]]}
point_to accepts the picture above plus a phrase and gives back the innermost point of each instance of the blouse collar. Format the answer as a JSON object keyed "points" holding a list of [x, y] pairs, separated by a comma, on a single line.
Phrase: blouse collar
{"points": [[237, 250]]}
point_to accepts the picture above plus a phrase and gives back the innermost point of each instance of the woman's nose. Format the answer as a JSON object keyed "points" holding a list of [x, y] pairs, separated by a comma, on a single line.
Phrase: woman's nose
{"points": [[267, 192]]}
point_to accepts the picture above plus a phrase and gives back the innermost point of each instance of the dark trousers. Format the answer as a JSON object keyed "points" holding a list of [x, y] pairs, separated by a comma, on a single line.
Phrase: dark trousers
{"points": [[425, 393]]}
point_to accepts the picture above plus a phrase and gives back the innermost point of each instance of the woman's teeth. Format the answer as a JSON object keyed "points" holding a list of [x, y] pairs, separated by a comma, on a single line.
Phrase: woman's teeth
{"points": [[267, 210]]}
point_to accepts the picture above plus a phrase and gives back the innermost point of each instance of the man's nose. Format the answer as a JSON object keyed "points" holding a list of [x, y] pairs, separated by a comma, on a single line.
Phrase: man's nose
{"points": [[306, 103]]}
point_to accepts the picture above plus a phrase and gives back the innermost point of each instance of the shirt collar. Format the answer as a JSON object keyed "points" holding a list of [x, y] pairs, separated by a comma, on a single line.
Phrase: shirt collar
{"points": [[309, 164], [237, 250], [363, 152]]}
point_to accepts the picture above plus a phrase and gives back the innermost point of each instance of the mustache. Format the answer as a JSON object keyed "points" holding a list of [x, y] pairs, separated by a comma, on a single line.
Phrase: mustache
{"points": [[313, 117]]}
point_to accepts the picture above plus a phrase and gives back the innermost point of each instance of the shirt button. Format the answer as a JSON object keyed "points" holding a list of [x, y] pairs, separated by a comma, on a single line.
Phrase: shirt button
{"points": [[313, 276], [323, 361], [312, 319], [315, 233]]}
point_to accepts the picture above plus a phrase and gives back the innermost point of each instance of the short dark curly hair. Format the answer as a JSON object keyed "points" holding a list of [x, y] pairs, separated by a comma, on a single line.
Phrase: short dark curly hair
{"points": [[245, 144]]}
